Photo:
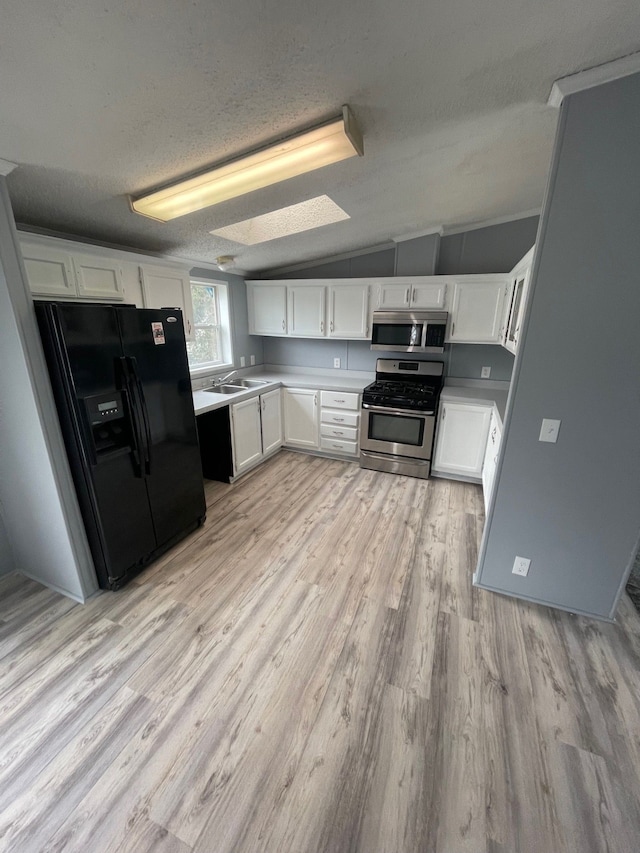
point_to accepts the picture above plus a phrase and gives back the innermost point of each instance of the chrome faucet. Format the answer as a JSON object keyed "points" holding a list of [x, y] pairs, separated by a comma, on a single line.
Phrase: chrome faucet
{"points": [[220, 380]]}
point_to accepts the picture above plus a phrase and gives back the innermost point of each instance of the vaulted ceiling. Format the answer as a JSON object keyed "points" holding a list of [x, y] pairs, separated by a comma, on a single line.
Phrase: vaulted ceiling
{"points": [[102, 99]]}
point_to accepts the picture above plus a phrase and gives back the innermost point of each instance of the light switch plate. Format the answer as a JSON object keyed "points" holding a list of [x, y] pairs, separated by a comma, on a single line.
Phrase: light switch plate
{"points": [[485, 373], [252, 359], [336, 362], [242, 361], [549, 430], [521, 566]]}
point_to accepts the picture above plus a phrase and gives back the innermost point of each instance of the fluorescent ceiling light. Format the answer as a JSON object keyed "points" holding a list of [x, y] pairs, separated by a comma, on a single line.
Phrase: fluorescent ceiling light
{"points": [[329, 143], [304, 216]]}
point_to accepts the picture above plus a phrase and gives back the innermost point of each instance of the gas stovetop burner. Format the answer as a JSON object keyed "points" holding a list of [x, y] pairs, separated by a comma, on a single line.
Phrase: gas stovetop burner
{"points": [[401, 389], [405, 385]]}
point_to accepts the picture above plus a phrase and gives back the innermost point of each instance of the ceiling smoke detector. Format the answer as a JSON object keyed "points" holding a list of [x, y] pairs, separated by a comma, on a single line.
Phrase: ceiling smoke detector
{"points": [[225, 262]]}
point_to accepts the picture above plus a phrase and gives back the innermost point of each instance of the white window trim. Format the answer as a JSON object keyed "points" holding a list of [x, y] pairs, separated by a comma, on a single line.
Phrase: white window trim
{"points": [[224, 309]]}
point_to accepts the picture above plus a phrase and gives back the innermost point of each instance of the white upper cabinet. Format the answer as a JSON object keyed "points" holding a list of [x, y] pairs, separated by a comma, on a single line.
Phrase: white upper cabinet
{"points": [[167, 287], [517, 301], [56, 271], [393, 296], [306, 310], [99, 278], [267, 305], [421, 292], [348, 311], [429, 295], [50, 270], [477, 309]]}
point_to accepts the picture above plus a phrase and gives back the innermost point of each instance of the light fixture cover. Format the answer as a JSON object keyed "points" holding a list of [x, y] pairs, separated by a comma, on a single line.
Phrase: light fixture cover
{"points": [[225, 262], [328, 143]]}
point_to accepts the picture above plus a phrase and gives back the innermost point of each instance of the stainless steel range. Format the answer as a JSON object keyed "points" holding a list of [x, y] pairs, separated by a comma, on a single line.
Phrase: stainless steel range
{"points": [[399, 416]]}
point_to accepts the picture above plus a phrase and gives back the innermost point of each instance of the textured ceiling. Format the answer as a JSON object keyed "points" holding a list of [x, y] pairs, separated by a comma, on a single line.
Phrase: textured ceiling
{"points": [[101, 99]]}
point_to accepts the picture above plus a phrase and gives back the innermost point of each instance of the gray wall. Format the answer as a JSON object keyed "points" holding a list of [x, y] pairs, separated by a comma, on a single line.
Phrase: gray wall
{"points": [[242, 342], [497, 248], [7, 562], [418, 256], [368, 264], [39, 505], [573, 507]]}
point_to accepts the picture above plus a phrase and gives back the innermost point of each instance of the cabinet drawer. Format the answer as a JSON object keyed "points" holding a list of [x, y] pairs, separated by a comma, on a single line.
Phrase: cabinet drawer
{"points": [[339, 432], [341, 418], [340, 400], [337, 445]]}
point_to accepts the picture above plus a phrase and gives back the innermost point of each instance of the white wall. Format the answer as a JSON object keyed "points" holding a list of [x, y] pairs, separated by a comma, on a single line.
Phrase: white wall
{"points": [[40, 510]]}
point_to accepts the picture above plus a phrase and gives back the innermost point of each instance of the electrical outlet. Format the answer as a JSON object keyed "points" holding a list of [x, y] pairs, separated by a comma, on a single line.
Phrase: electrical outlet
{"points": [[252, 359], [485, 373], [549, 430], [521, 566], [336, 362], [242, 361]]}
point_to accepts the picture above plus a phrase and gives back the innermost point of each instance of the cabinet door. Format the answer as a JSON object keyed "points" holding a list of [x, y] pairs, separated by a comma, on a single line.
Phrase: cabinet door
{"points": [[394, 296], [462, 438], [428, 295], [490, 461], [349, 311], [163, 287], [50, 271], [306, 311], [301, 417], [477, 310], [98, 278], [271, 415], [267, 309], [246, 434], [516, 312]]}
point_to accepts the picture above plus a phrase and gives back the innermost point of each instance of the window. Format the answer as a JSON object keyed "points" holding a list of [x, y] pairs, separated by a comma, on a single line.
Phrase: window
{"points": [[211, 348]]}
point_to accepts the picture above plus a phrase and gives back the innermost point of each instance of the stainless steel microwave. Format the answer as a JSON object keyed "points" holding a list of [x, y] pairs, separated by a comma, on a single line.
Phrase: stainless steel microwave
{"points": [[409, 331]]}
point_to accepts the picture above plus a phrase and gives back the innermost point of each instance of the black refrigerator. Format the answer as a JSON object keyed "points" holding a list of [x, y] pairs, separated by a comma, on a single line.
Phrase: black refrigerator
{"points": [[121, 382]]}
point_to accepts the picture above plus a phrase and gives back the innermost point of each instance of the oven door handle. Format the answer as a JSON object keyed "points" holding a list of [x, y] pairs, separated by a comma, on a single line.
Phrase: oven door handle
{"points": [[385, 410]]}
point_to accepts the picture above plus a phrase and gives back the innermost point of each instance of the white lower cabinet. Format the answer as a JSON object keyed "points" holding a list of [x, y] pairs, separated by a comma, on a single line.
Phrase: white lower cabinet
{"points": [[339, 422], [256, 429], [301, 418], [271, 420], [462, 439], [491, 459]]}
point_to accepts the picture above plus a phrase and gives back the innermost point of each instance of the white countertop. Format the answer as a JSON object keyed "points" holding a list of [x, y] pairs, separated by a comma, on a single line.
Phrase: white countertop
{"points": [[481, 396], [287, 377]]}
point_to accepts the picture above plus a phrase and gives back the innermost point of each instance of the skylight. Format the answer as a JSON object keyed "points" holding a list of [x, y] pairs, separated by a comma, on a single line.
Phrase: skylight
{"points": [[281, 223]]}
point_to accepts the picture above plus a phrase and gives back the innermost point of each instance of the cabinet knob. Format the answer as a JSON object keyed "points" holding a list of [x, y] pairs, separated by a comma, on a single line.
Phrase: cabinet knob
{"points": [[322, 326], [331, 327]]}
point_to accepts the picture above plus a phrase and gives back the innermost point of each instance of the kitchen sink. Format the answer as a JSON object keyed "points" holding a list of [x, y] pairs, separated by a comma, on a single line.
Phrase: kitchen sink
{"points": [[226, 389], [251, 383]]}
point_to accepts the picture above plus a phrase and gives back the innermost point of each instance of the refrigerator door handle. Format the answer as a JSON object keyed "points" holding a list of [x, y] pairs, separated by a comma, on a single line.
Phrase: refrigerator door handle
{"points": [[143, 409], [133, 418]]}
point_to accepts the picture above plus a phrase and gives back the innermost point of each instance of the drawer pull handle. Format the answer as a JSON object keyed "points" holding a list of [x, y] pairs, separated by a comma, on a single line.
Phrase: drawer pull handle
{"points": [[339, 420], [339, 401]]}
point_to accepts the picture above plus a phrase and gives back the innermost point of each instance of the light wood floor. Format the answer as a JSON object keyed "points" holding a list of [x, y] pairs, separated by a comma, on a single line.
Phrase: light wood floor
{"points": [[313, 671]]}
